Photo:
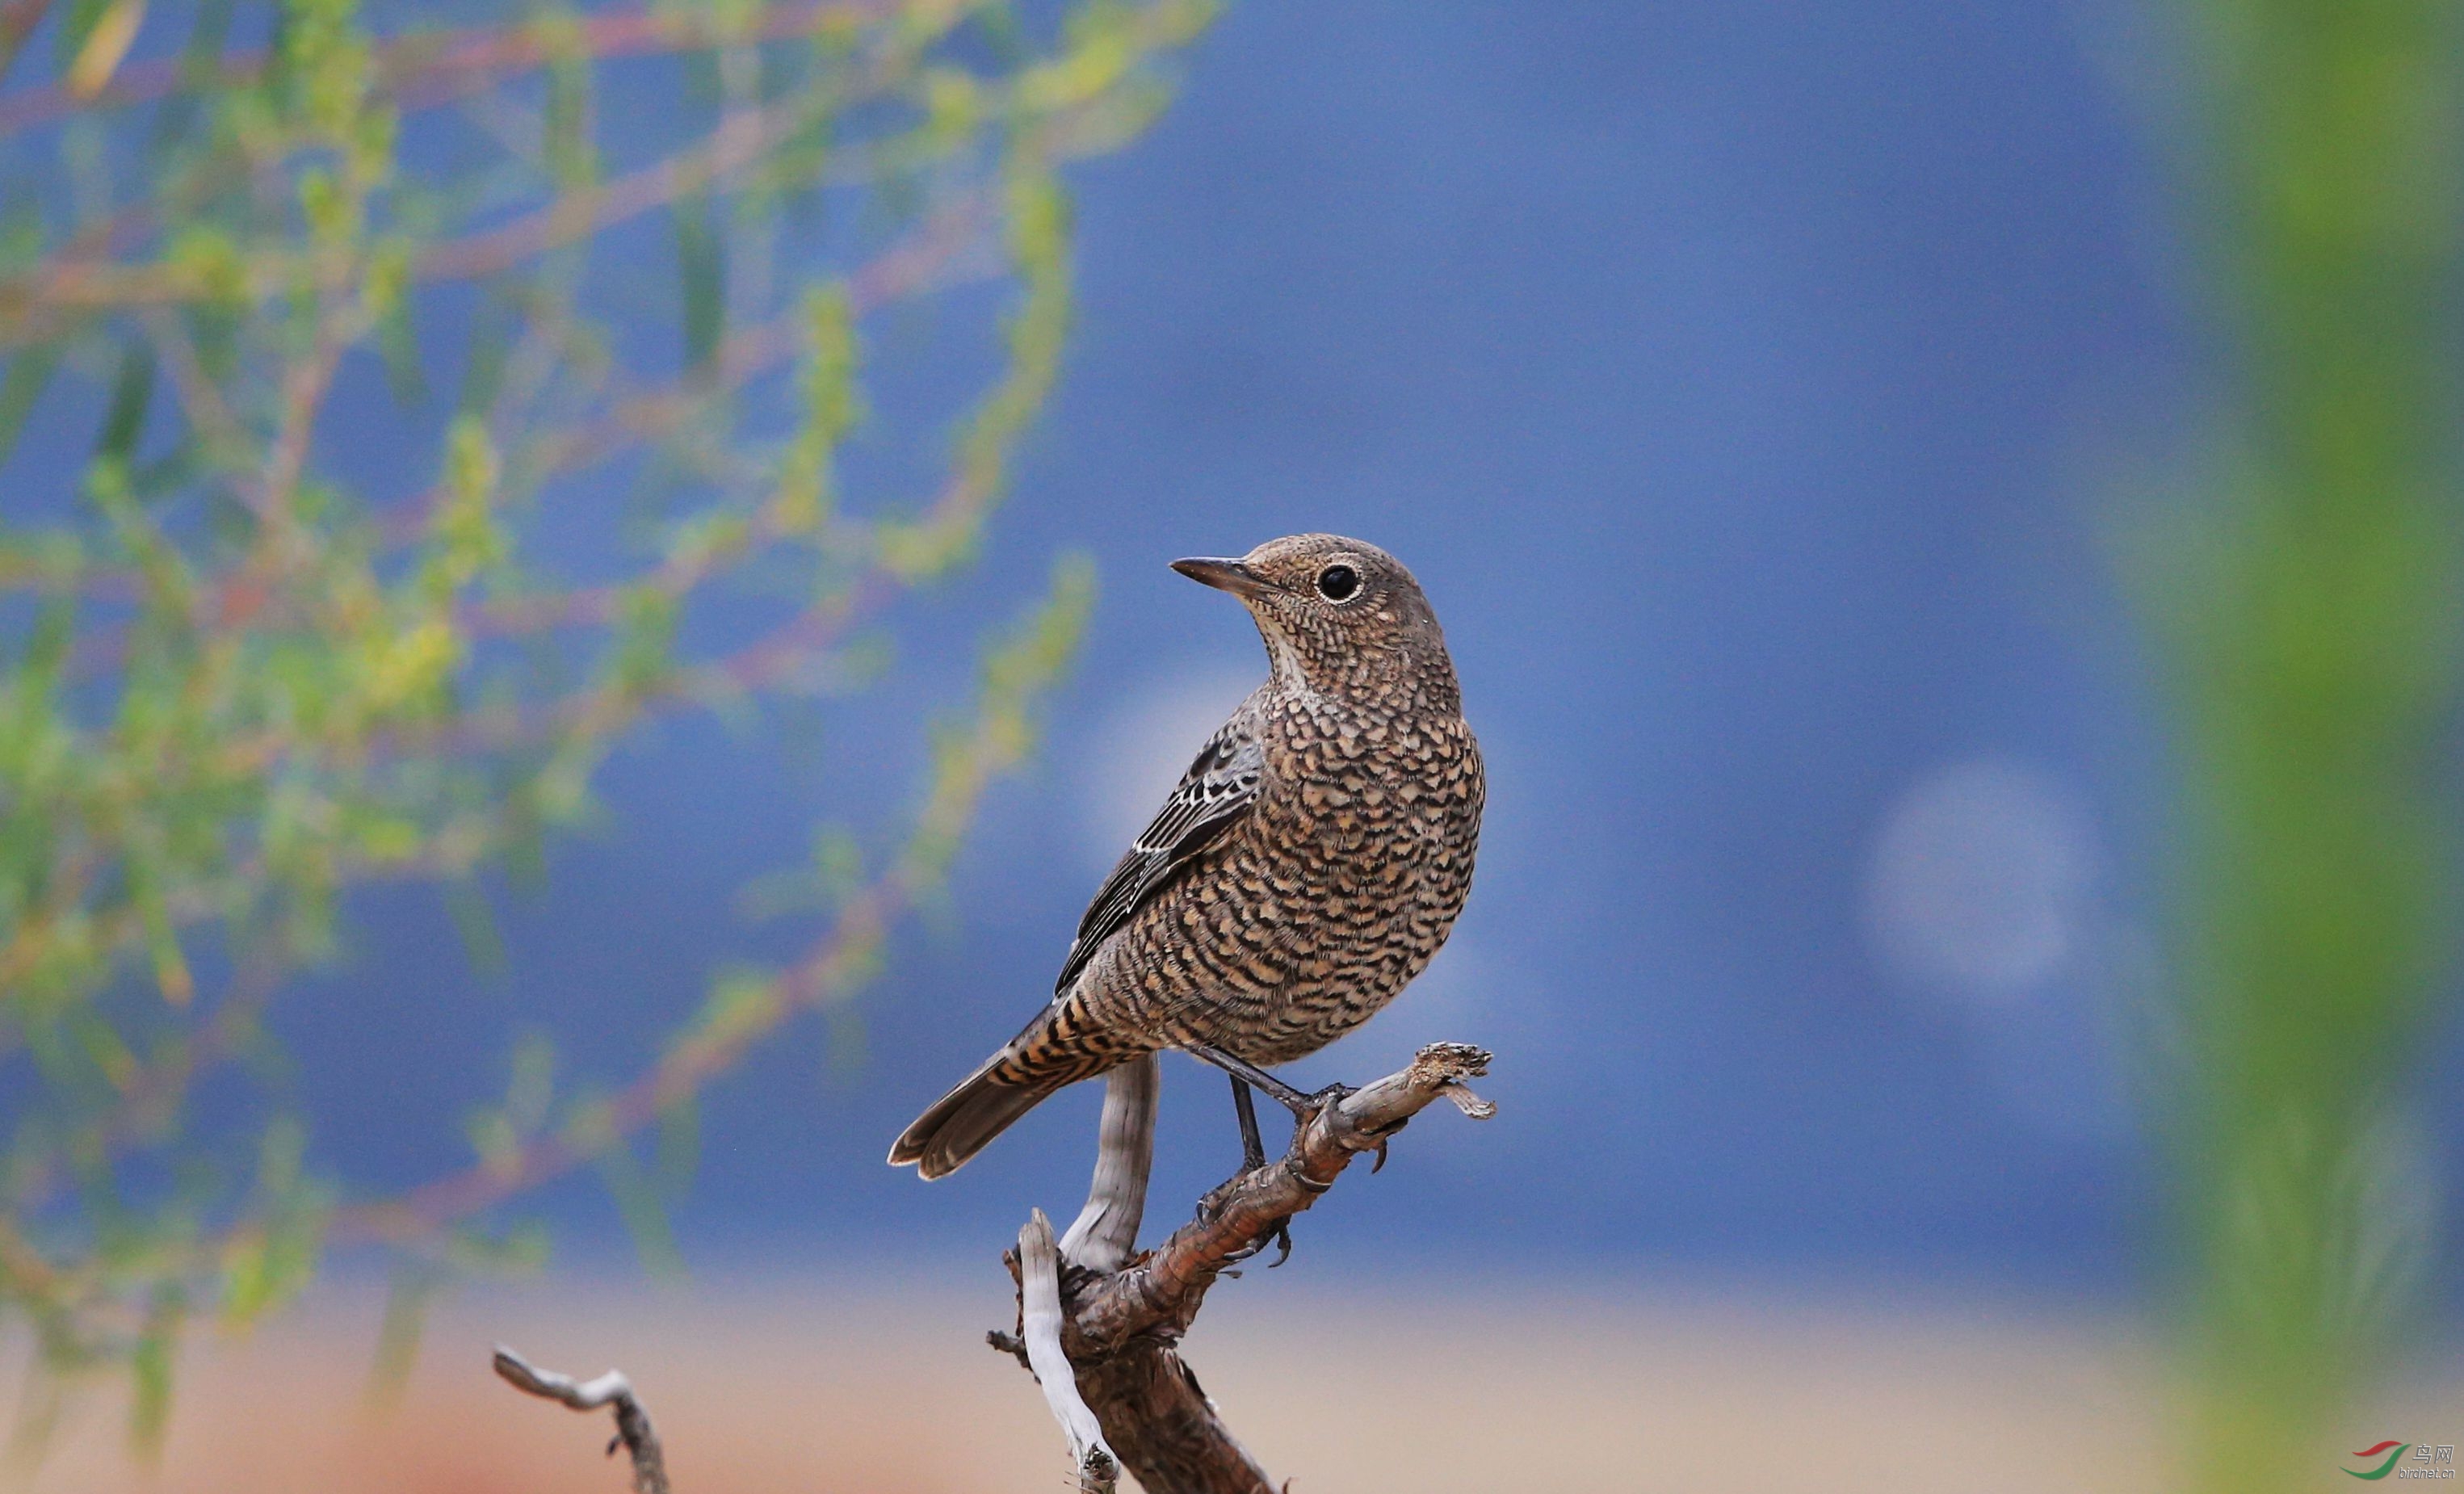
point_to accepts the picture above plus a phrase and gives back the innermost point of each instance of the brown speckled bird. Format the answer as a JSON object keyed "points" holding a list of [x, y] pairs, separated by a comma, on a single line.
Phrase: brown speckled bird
{"points": [[1310, 864]]}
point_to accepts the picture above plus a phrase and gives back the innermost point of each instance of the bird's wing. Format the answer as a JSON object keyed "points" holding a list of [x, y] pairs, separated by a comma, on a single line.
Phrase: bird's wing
{"points": [[1218, 788]]}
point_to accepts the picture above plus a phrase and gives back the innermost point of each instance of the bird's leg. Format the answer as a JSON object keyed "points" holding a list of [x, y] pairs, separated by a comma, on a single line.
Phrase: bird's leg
{"points": [[1253, 1156], [1302, 1105], [1253, 1151]]}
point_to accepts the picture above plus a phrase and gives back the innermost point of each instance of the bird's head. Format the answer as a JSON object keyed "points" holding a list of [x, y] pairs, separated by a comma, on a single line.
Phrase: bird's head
{"points": [[1340, 616]]}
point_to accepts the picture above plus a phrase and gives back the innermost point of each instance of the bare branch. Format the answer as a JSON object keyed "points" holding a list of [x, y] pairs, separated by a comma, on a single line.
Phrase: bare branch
{"points": [[1106, 1230], [1103, 1345], [1236, 1220], [1038, 1288], [1101, 1331], [633, 1430]]}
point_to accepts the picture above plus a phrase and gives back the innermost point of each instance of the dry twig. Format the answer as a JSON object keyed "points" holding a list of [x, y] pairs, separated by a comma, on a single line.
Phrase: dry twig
{"points": [[633, 1430]]}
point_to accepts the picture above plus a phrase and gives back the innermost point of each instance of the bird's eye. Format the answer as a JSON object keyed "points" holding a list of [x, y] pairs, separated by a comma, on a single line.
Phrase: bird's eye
{"points": [[1338, 582]]}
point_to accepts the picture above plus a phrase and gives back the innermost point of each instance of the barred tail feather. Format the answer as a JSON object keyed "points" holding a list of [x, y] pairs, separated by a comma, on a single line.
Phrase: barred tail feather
{"points": [[1011, 1083], [959, 1125]]}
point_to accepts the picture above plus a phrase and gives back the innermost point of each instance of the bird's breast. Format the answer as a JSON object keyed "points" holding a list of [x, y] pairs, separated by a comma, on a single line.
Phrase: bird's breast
{"points": [[1372, 804]]}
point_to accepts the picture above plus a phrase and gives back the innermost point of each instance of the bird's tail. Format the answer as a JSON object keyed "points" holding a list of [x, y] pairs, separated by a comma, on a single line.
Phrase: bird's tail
{"points": [[1011, 1083]]}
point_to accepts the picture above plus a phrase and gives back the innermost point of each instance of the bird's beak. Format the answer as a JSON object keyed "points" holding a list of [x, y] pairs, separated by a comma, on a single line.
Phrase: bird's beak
{"points": [[1230, 576]]}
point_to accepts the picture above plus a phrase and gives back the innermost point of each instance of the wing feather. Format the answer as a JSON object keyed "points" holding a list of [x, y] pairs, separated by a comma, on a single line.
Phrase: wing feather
{"points": [[1220, 787]]}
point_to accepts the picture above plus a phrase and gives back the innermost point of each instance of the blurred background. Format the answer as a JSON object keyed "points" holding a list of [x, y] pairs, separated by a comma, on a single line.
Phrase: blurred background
{"points": [[586, 602]]}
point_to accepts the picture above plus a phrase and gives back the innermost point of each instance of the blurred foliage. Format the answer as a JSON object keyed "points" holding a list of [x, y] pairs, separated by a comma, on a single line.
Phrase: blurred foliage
{"points": [[244, 675], [2308, 601]]}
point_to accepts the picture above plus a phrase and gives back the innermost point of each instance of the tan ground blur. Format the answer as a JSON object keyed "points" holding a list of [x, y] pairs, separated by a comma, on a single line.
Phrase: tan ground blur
{"points": [[814, 1388]]}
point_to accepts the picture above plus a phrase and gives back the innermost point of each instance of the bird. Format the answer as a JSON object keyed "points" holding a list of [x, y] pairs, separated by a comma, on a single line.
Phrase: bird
{"points": [[1310, 864]]}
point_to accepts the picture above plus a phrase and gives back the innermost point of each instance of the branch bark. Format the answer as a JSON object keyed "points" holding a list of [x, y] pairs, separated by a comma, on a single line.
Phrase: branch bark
{"points": [[1107, 1232], [1098, 1323], [1039, 1323], [1121, 1315], [633, 1429]]}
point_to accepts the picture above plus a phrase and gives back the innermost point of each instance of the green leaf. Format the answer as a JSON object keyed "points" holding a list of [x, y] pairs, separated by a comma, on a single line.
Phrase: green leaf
{"points": [[132, 393], [409, 1295], [77, 28], [29, 374], [483, 362], [266, 1267], [150, 1364], [678, 1146], [198, 60], [645, 1214], [743, 1001], [523, 1249], [564, 126], [838, 864], [280, 1154], [171, 974], [646, 633], [483, 945], [531, 1087], [388, 297], [494, 1139], [701, 266], [833, 402]]}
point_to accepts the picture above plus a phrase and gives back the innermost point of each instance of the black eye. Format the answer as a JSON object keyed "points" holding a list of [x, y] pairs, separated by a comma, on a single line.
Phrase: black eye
{"points": [[1337, 582]]}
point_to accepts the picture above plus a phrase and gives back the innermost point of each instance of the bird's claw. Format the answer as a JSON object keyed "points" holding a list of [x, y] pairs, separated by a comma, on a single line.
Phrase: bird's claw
{"points": [[1282, 1238]]}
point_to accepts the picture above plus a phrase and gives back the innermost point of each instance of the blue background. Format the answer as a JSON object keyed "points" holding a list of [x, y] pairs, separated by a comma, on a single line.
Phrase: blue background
{"points": [[1757, 391]]}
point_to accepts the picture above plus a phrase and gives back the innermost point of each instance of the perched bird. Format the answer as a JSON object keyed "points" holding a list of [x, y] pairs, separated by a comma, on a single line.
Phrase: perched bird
{"points": [[1310, 864]]}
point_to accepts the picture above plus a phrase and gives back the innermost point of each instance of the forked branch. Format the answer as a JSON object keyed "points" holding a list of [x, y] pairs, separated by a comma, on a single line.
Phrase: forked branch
{"points": [[1099, 1323], [1120, 1314]]}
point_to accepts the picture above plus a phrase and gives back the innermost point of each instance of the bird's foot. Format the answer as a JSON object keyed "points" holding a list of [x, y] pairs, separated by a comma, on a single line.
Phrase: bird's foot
{"points": [[1307, 1107], [1211, 1208], [1281, 1237], [1304, 1107]]}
